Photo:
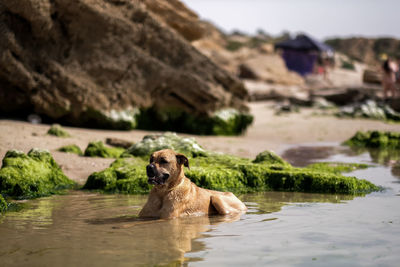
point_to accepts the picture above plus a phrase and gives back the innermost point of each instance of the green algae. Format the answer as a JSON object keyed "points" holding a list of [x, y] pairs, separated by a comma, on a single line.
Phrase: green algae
{"points": [[151, 143], [375, 139], [337, 167], [98, 149], [57, 130], [3, 204], [74, 149], [125, 175], [230, 173], [229, 122], [269, 157], [31, 175], [383, 156], [222, 122], [226, 121]]}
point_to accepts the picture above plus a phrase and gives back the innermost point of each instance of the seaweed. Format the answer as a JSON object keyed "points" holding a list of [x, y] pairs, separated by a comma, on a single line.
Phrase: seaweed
{"points": [[57, 130], [337, 167], [98, 149], [74, 149], [375, 139], [221, 122], [228, 173], [269, 157], [154, 142], [3, 204], [31, 175]]}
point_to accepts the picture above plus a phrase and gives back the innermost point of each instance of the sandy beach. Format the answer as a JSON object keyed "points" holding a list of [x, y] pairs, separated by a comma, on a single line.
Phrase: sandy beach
{"points": [[268, 132]]}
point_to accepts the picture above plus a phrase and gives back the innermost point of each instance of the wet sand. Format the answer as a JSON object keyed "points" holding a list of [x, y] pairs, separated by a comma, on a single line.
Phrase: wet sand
{"points": [[268, 132]]}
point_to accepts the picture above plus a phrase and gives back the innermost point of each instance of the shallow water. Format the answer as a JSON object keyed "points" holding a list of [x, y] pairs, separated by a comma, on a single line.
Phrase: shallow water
{"points": [[280, 228]]}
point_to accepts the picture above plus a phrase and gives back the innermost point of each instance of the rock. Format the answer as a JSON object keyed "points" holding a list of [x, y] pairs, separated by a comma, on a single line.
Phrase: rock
{"points": [[370, 109], [285, 107], [178, 16], [116, 142], [269, 68], [375, 139], [172, 119], [340, 96], [367, 50], [322, 103], [390, 113], [260, 91], [372, 76], [98, 149], [31, 175], [229, 173], [101, 63], [34, 119], [57, 130], [337, 167], [155, 142], [74, 149], [270, 158]]}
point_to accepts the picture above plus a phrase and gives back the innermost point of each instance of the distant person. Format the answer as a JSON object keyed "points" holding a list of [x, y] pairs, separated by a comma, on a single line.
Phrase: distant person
{"points": [[389, 78], [322, 66], [397, 74]]}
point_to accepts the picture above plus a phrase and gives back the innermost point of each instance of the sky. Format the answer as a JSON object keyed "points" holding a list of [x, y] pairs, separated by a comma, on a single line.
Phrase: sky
{"points": [[320, 18]]}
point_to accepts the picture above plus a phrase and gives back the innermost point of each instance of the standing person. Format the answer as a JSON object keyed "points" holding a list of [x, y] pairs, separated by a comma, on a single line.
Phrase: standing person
{"points": [[389, 78], [397, 74]]}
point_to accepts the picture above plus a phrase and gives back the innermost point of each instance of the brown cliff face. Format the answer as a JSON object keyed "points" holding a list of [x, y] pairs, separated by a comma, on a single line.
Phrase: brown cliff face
{"points": [[81, 60], [367, 50]]}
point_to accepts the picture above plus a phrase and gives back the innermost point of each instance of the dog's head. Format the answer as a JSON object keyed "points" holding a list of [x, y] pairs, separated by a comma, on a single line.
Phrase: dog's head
{"points": [[165, 165]]}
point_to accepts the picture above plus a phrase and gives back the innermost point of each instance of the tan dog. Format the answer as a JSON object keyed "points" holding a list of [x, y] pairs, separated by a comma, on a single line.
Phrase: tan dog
{"points": [[174, 195]]}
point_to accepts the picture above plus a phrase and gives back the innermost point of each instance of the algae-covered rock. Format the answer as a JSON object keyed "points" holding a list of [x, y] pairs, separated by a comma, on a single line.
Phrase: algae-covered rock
{"points": [[227, 121], [3, 204], [98, 149], [57, 130], [375, 139], [229, 173], [126, 175], [116, 142], [383, 156], [71, 149], [337, 167], [31, 175], [371, 110], [270, 157], [154, 142]]}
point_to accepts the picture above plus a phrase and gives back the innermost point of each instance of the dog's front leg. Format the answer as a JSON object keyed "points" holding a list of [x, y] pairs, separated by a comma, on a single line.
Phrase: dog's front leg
{"points": [[168, 211], [152, 208]]}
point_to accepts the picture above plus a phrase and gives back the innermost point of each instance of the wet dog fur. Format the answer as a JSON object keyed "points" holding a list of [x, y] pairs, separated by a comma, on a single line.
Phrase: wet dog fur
{"points": [[174, 195]]}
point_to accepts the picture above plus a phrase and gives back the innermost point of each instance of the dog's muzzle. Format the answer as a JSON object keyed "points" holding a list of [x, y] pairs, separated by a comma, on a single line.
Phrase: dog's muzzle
{"points": [[151, 170], [154, 177]]}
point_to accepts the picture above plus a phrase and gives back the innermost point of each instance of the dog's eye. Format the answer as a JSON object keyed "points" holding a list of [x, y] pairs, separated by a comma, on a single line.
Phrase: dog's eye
{"points": [[163, 161]]}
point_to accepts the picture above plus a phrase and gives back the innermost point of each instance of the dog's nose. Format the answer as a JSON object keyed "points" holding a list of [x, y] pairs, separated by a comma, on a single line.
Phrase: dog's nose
{"points": [[151, 170]]}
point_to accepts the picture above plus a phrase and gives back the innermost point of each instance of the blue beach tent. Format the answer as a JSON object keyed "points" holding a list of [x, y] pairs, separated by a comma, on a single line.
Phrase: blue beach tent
{"points": [[301, 53]]}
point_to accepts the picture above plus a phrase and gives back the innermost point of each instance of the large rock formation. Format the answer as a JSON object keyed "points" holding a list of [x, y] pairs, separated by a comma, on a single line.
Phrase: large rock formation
{"points": [[102, 62], [269, 68], [366, 50], [249, 57]]}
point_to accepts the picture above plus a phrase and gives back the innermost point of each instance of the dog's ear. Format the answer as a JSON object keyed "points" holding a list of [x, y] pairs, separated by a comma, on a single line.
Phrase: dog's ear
{"points": [[182, 159]]}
